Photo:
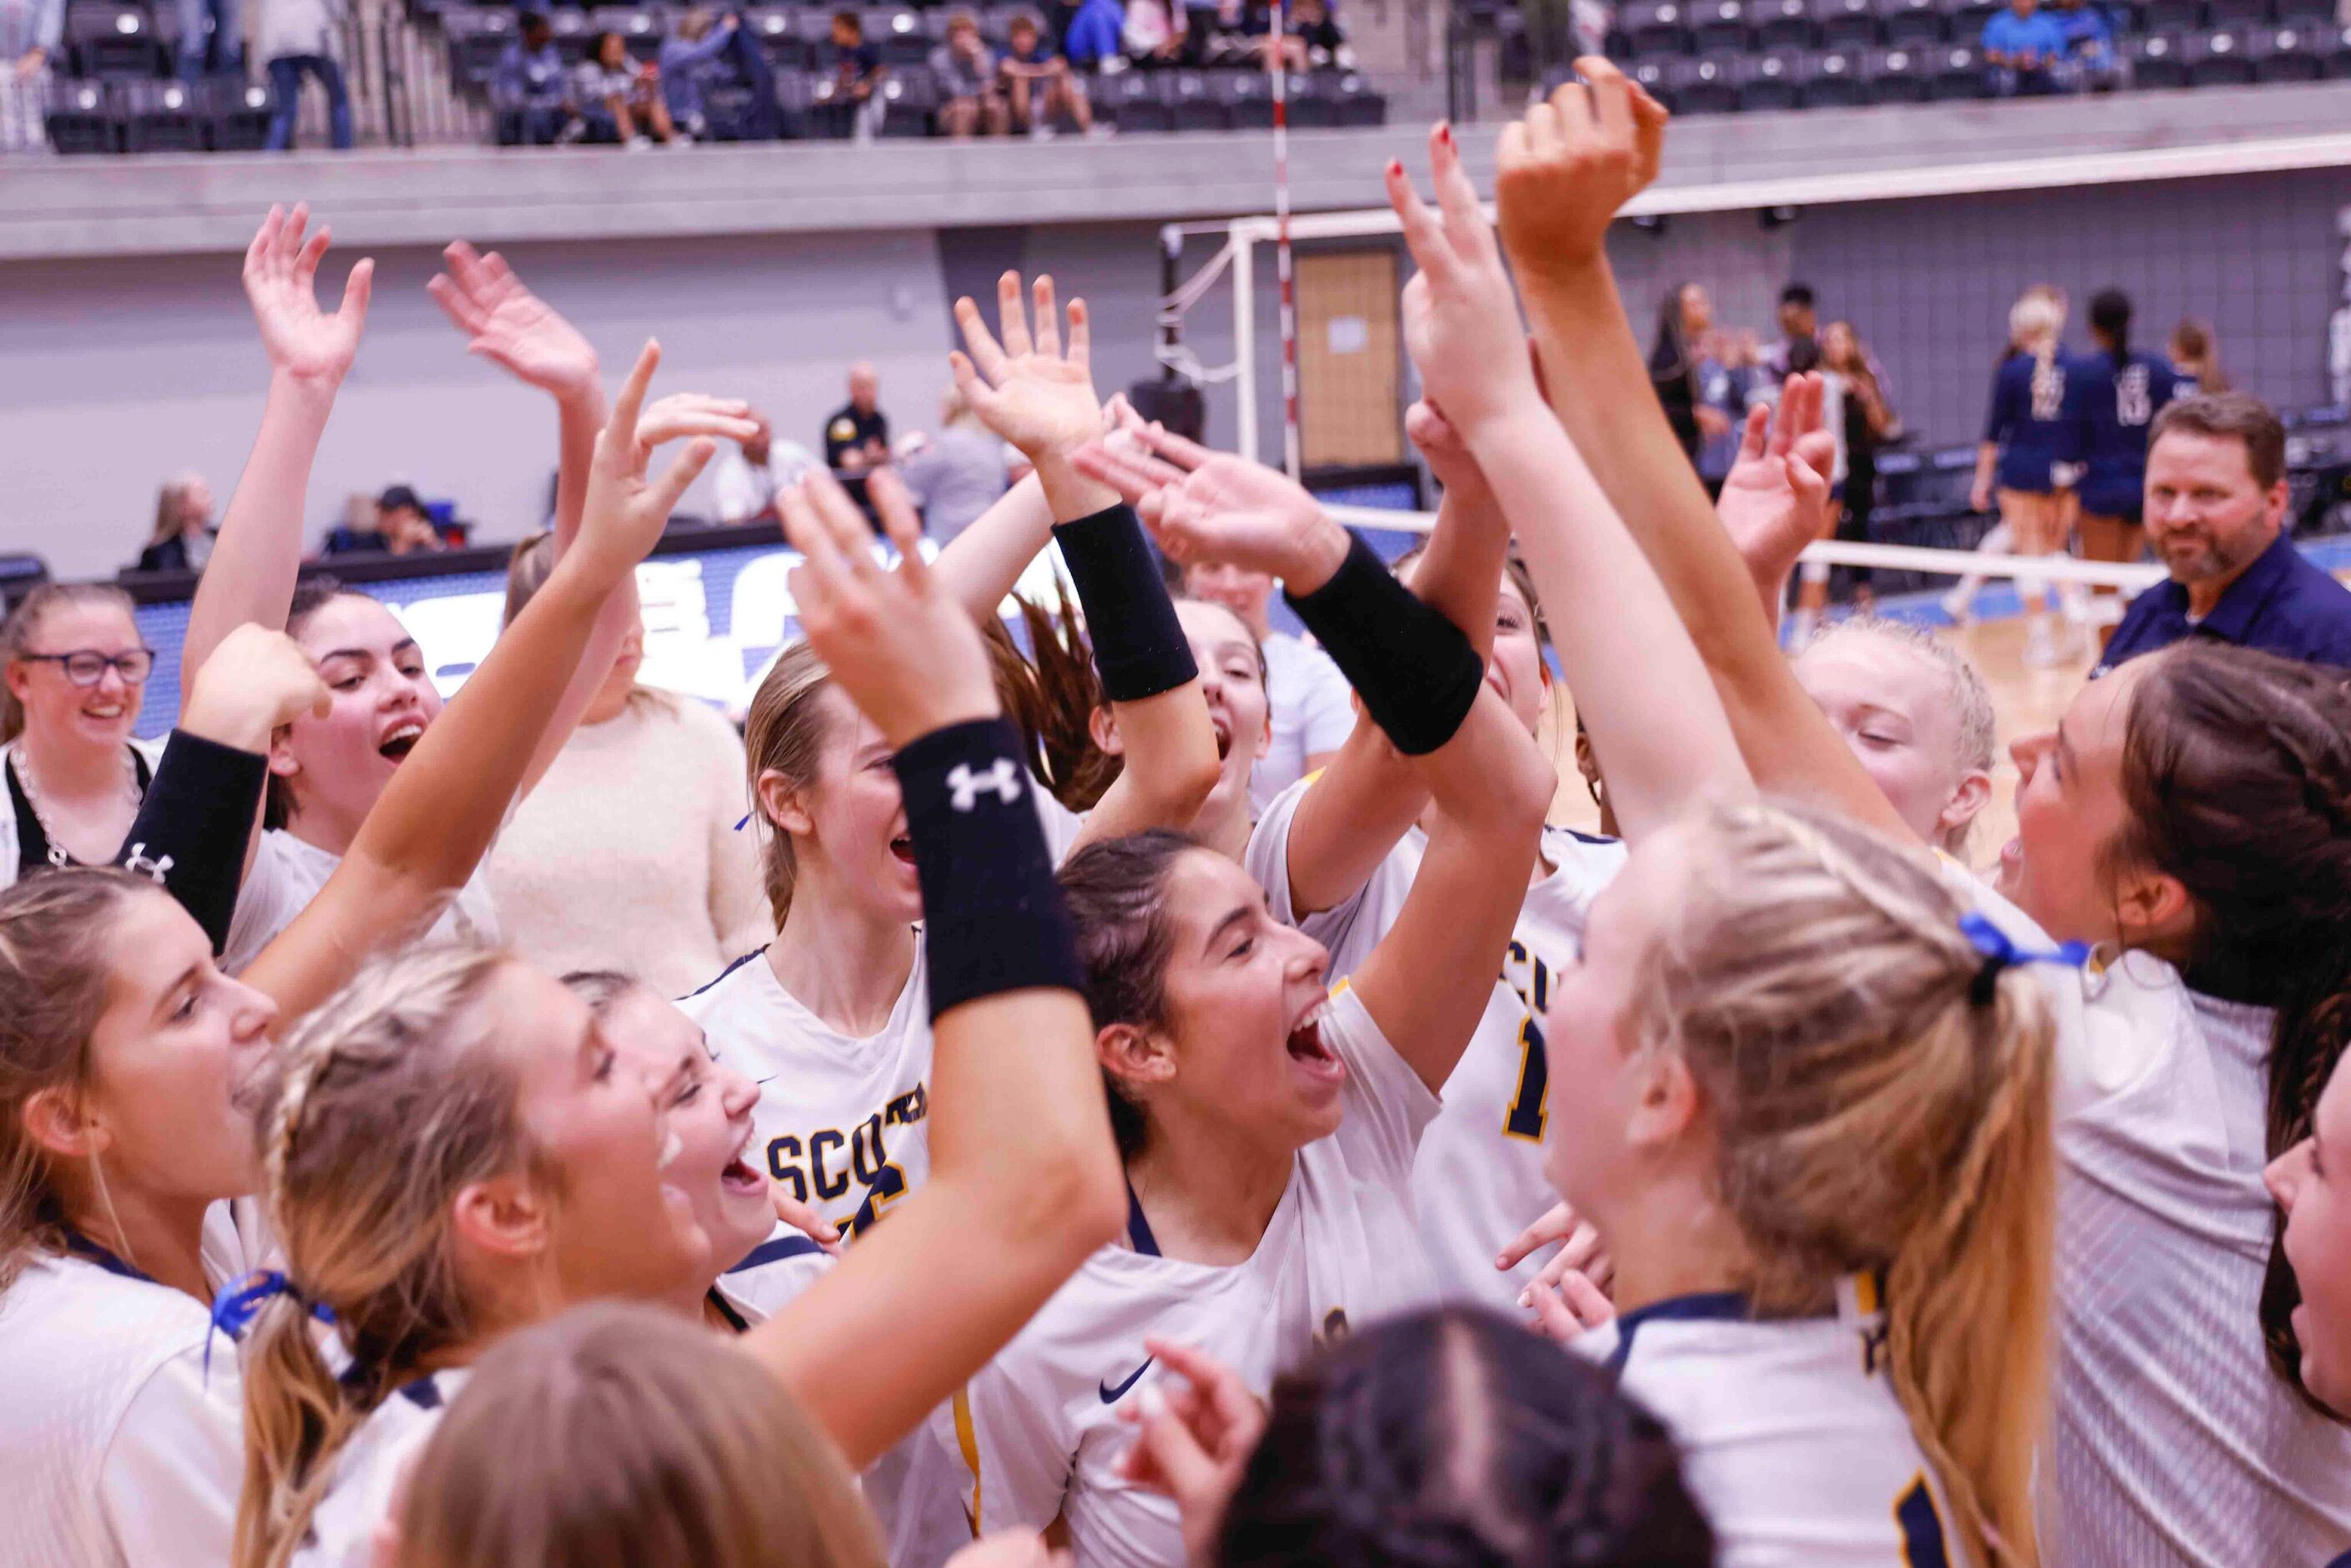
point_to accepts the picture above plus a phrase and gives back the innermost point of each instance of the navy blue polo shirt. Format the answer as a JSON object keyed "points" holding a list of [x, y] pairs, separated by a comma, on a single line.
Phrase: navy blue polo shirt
{"points": [[2283, 604]]}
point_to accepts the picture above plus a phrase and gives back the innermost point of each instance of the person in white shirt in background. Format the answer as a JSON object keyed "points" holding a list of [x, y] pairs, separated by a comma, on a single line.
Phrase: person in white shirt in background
{"points": [[626, 856], [296, 38], [1313, 710], [957, 475], [748, 473]]}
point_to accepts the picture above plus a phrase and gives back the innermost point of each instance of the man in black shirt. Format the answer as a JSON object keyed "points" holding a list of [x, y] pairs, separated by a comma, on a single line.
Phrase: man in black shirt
{"points": [[857, 434]]}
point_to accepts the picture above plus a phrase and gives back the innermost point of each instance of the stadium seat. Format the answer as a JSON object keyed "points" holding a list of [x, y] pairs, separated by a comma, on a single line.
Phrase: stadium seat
{"points": [[2173, 15], [910, 99], [1765, 82], [1899, 76], [236, 115], [2291, 53], [161, 117], [2155, 62], [2217, 59], [1131, 102], [1831, 78], [1651, 75], [772, 26], [2238, 15], [1963, 20], [476, 38], [2307, 16], [572, 32], [829, 116], [108, 40], [81, 117], [2338, 56], [1701, 86], [1246, 98], [1190, 105], [1846, 24], [1955, 72], [896, 32], [1784, 24], [1910, 24], [1656, 27], [1720, 26]]}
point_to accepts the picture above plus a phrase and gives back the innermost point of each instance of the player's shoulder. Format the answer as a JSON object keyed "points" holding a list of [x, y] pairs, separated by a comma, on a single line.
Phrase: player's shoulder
{"points": [[74, 1336], [724, 984]]}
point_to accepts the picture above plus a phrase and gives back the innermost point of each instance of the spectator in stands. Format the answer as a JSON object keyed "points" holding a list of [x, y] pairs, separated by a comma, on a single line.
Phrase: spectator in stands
{"points": [[1685, 318], [1799, 348], [32, 32], [688, 60], [1031, 71], [218, 50], [183, 539], [2196, 355], [1312, 25], [2089, 45], [402, 527], [1096, 35], [624, 91], [959, 474], [1154, 33], [2024, 51], [857, 72], [296, 38], [2216, 513], [747, 476], [965, 68], [857, 433], [530, 89]]}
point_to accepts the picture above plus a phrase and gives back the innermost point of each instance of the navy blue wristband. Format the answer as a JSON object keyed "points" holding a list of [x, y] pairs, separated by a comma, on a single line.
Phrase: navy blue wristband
{"points": [[993, 919], [1139, 645], [1415, 671]]}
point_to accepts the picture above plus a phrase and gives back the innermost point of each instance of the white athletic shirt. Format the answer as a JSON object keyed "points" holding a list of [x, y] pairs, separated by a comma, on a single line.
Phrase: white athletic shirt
{"points": [[368, 1471], [1310, 708], [1479, 1180], [2172, 1442], [117, 1448], [1792, 1439], [1036, 1434], [288, 874], [841, 1122]]}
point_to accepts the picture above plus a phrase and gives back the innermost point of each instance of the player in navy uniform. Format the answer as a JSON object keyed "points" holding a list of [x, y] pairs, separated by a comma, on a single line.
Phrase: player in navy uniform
{"points": [[2027, 452], [2115, 393]]}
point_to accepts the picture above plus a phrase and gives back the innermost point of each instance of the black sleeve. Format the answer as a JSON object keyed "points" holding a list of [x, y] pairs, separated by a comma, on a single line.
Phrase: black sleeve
{"points": [[193, 827]]}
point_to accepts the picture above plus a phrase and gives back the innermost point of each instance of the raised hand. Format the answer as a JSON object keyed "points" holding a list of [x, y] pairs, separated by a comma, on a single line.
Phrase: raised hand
{"points": [[1194, 1441], [1775, 498], [1461, 315], [1031, 391], [508, 325], [1560, 173], [281, 272], [897, 641], [1449, 455], [254, 682], [1204, 505], [625, 513]]}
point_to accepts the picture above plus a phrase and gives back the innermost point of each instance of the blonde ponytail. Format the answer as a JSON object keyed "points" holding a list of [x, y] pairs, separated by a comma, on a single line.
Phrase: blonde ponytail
{"points": [[1881, 1106]]}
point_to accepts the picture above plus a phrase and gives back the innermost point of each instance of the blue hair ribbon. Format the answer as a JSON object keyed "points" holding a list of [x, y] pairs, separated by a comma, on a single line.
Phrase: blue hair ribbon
{"points": [[240, 1301], [1999, 953]]}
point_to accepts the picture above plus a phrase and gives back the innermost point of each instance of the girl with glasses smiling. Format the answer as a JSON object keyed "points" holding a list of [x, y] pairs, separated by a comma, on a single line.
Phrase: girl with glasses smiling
{"points": [[76, 670]]}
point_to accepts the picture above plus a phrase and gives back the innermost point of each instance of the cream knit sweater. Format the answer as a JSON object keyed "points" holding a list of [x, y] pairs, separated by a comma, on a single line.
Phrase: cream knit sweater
{"points": [[626, 857]]}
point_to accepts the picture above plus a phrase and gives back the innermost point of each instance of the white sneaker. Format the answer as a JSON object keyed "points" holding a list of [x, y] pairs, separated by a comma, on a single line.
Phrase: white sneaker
{"points": [[1960, 606], [639, 143]]}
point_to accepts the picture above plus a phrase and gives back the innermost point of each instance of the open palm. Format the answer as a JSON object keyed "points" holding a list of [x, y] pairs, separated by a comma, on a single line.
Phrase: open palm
{"points": [[507, 323], [1204, 505], [1030, 391], [281, 273], [1774, 500]]}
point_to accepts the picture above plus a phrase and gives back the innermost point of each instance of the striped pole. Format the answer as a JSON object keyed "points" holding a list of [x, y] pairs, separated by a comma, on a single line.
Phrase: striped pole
{"points": [[1287, 287]]}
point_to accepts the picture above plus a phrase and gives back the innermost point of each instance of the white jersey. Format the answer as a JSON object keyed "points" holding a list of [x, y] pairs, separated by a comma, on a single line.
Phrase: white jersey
{"points": [[1036, 1434], [1479, 1180], [2172, 1443], [368, 1473], [288, 874], [118, 1450], [1792, 1439], [842, 1123], [1310, 708]]}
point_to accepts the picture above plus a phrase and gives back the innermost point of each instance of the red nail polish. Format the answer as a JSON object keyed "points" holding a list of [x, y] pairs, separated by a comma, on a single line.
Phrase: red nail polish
{"points": [[1395, 165], [1445, 134]]}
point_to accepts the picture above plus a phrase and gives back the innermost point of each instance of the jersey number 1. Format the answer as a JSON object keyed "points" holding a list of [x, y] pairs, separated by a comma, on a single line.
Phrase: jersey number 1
{"points": [[1527, 1112]]}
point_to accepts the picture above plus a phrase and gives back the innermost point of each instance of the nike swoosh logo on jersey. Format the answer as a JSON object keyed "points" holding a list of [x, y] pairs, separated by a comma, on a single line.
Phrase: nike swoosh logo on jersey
{"points": [[1112, 1394]]}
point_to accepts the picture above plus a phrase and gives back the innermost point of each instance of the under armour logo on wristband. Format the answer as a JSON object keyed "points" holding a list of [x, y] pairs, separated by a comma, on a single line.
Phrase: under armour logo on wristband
{"points": [[137, 860], [1003, 777]]}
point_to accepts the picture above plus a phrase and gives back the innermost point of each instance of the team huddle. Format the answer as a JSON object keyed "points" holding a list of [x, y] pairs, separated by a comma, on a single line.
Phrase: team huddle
{"points": [[1120, 1156]]}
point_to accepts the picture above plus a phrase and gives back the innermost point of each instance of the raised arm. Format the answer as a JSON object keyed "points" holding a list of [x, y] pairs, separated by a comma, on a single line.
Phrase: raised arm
{"points": [[440, 812], [1024, 1178], [250, 577], [1562, 175], [1040, 397]]}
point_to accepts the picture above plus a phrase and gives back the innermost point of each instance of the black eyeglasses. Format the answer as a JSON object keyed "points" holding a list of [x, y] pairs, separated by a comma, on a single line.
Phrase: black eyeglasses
{"points": [[86, 667]]}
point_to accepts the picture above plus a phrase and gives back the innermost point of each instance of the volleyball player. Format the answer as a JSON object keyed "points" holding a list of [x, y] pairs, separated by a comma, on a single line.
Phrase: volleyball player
{"points": [[831, 1016], [2118, 391], [2028, 454], [2187, 821], [327, 773], [455, 1152]]}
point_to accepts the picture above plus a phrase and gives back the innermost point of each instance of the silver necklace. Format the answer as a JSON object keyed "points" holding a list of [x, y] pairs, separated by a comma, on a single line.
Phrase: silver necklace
{"points": [[23, 768]]}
